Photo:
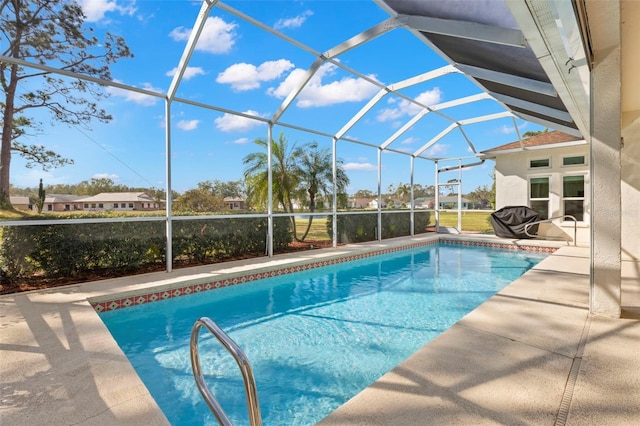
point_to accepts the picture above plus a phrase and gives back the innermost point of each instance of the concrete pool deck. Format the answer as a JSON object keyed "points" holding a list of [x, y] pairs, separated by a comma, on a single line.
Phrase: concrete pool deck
{"points": [[529, 355]]}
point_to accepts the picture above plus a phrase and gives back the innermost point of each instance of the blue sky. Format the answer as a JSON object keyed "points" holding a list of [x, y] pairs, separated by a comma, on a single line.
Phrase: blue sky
{"points": [[240, 67]]}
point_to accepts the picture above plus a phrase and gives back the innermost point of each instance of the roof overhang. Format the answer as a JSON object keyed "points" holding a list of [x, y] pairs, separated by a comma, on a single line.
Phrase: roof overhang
{"points": [[528, 55], [496, 153]]}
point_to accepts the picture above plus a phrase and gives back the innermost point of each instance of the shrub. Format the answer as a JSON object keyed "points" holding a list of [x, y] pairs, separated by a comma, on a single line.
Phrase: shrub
{"points": [[357, 228], [71, 250]]}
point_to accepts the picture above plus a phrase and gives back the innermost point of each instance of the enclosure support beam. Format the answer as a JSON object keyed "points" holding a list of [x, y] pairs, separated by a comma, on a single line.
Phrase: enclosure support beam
{"points": [[437, 196], [379, 194], [270, 192], [412, 214], [605, 289], [168, 199], [334, 218]]}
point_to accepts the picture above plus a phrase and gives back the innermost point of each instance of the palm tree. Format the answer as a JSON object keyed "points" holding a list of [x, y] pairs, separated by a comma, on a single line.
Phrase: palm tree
{"points": [[285, 173], [315, 172], [404, 191]]}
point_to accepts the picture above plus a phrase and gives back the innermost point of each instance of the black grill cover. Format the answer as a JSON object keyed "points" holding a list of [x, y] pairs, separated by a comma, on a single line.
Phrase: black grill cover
{"points": [[509, 222]]}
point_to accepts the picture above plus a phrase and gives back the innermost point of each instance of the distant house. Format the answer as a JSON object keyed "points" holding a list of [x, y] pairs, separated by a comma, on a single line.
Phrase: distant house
{"points": [[360, 203], [548, 172], [61, 203], [424, 203], [235, 203], [20, 203], [448, 202], [121, 201]]}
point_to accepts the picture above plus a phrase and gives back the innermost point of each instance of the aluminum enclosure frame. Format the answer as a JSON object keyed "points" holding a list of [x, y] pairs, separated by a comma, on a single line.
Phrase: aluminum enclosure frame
{"points": [[416, 24]]}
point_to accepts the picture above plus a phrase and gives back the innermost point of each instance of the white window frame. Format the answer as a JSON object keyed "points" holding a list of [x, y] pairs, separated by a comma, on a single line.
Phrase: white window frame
{"points": [[584, 163], [547, 199], [540, 167], [583, 198]]}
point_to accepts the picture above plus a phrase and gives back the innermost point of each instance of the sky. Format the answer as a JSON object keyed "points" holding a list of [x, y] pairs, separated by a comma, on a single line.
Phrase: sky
{"points": [[239, 67]]}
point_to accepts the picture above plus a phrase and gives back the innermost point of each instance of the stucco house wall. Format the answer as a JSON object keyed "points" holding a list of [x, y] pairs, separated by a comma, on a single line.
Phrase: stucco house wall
{"points": [[630, 190], [513, 174]]}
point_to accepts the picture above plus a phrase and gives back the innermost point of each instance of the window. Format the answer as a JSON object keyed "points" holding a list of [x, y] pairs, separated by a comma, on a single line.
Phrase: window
{"points": [[86, 205], [130, 205], [123, 205], [115, 205], [100, 206], [539, 163], [573, 196], [539, 196], [577, 160], [93, 205]]}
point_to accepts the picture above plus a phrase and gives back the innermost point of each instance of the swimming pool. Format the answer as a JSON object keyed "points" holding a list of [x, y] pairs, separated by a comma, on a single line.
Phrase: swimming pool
{"points": [[314, 338]]}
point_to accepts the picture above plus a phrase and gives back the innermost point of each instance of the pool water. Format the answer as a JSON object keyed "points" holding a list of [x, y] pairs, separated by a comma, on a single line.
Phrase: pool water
{"points": [[314, 338]]}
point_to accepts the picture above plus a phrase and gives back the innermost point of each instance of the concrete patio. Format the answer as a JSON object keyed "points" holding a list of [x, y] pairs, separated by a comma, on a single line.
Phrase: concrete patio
{"points": [[531, 354]]}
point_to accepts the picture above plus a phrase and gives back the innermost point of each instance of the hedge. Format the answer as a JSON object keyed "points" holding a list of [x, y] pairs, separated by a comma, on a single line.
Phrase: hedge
{"points": [[358, 228], [72, 250]]}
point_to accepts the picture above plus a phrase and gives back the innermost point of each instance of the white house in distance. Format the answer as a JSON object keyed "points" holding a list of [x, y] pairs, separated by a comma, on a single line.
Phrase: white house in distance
{"points": [[61, 203], [120, 201], [548, 172]]}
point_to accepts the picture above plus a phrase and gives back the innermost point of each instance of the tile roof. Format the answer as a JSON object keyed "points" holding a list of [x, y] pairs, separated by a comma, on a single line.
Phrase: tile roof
{"points": [[542, 139]]}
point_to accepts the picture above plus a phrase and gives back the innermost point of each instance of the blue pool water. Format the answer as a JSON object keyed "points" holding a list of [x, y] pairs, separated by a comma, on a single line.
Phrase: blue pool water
{"points": [[314, 338]]}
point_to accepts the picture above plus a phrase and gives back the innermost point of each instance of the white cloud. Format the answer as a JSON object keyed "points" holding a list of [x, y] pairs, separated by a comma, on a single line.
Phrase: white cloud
{"points": [[188, 125], [189, 72], [243, 76], [217, 36], [241, 141], [94, 10], [409, 141], [437, 149], [139, 98], [315, 93], [236, 123], [360, 166], [508, 130], [295, 22], [113, 177], [404, 107], [31, 178]]}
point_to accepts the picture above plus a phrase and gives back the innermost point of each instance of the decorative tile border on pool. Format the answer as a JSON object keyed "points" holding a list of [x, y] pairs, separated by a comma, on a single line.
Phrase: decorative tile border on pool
{"points": [[539, 249], [169, 293]]}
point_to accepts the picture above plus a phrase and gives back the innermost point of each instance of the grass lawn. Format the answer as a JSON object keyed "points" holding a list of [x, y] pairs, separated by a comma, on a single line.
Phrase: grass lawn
{"points": [[472, 220], [318, 229]]}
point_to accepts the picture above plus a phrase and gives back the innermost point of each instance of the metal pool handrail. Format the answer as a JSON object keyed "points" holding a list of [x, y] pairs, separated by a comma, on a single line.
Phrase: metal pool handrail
{"points": [[245, 368], [575, 226]]}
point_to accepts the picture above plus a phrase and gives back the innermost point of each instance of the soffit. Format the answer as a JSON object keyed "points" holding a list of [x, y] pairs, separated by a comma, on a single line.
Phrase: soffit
{"points": [[488, 52]]}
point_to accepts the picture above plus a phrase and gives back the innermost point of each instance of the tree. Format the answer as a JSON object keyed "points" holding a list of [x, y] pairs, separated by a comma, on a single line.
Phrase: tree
{"points": [[534, 132], [233, 188], [482, 196], [98, 185], [49, 31], [316, 176], [365, 193], [198, 200], [284, 174], [41, 197]]}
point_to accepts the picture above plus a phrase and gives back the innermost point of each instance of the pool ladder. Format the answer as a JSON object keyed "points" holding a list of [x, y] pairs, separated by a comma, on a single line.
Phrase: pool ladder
{"points": [[551, 219], [242, 361]]}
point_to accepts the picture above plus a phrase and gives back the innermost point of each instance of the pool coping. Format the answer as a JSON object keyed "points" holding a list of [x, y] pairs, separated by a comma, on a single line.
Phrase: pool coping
{"points": [[145, 295], [60, 365]]}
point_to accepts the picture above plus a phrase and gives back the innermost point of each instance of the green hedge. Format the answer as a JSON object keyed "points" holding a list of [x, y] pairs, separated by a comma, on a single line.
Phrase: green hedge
{"points": [[358, 228], [73, 250]]}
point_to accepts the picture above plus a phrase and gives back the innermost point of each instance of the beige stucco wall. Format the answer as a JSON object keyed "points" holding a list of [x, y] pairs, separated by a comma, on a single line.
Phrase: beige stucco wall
{"points": [[512, 187], [630, 182]]}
